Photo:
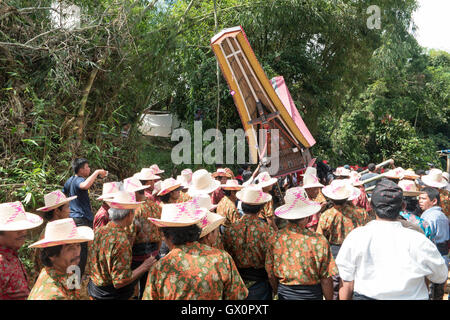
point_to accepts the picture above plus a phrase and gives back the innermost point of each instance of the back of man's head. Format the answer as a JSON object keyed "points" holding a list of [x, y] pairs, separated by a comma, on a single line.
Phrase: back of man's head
{"points": [[78, 163], [371, 167], [387, 199]]}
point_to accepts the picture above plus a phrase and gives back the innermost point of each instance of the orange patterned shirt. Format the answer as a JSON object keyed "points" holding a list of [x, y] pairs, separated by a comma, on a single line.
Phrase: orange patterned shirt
{"points": [[145, 230], [52, 285], [227, 208], [445, 201], [184, 197], [267, 210]]}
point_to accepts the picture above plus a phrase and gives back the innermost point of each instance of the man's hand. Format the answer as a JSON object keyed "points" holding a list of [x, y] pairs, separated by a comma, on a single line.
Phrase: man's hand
{"points": [[148, 263], [102, 173]]}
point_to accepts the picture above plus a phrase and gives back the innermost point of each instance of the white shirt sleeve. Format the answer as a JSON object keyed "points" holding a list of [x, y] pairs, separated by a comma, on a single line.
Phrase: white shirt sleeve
{"points": [[434, 262], [346, 258]]}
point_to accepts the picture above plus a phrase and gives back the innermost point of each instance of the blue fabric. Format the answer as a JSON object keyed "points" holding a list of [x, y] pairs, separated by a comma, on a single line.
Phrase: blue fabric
{"points": [[300, 292], [368, 176], [439, 224], [261, 290], [81, 206], [417, 220]]}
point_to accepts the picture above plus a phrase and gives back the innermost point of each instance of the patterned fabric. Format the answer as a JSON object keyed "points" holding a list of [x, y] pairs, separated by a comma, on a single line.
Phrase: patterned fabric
{"points": [[217, 195], [13, 277], [110, 256], [445, 201], [418, 221], [184, 197], [298, 256], [145, 230], [267, 211], [195, 271], [52, 285], [337, 222], [362, 201], [101, 217], [314, 219], [227, 208], [247, 241]]}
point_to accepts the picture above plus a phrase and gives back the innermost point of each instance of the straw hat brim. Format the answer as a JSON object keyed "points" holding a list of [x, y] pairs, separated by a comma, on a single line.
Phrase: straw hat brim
{"points": [[270, 182], [411, 193], [355, 193], [170, 189], [313, 185], [107, 196], [228, 187], [327, 193], [431, 183], [214, 221], [215, 184], [266, 198], [32, 221], [84, 234], [145, 177], [139, 188], [164, 223], [284, 212], [123, 205], [57, 205]]}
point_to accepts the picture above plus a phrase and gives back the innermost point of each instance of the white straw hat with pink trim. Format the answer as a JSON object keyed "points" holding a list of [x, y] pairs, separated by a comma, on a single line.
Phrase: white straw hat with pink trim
{"points": [[265, 180], [185, 178], [203, 200], [109, 190], [54, 200], [13, 217], [210, 222], [342, 172], [146, 174], [179, 215], [253, 195], [221, 172], [396, 173], [133, 184], [168, 185], [124, 200], [232, 185], [63, 231], [409, 188], [340, 190], [310, 179], [297, 205], [434, 179], [202, 182], [156, 169], [157, 187]]}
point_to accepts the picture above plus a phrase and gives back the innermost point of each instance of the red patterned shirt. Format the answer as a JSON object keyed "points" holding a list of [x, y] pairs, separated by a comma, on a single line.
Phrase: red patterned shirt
{"points": [[314, 219], [101, 217], [298, 256], [195, 271], [110, 256], [13, 277], [247, 241], [337, 222], [217, 195], [52, 285], [227, 208]]}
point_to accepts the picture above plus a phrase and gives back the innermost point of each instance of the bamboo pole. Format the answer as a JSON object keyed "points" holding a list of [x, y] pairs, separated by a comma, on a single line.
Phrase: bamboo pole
{"points": [[382, 164]]}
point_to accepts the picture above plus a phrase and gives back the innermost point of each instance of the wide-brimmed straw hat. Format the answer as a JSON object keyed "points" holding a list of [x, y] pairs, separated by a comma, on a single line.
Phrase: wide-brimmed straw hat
{"points": [[297, 205], [265, 180], [63, 231], [146, 174], [434, 179], [210, 222], [54, 200], [203, 200], [185, 178], [14, 218], [342, 172], [355, 179], [231, 185], [168, 185], [124, 200], [409, 188], [396, 173], [202, 182], [340, 190], [156, 169], [410, 174], [221, 172], [109, 190], [157, 187], [179, 215], [253, 195], [310, 179], [446, 176], [133, 184]]}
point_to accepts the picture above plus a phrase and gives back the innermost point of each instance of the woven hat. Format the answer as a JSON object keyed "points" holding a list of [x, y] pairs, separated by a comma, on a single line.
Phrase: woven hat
{"points": [[410, 174], [396, 173], [342, 172], [13, 217], [434, 179], [156, 169], [446, 176], [133, 184], [109, 190], [297, 205], [202, 182], [265, 180], [54, 200], [340, 190], [146, 174], [157, 187], [124, 200], [409, 188], [179, 215], [210, 222], [310, 179], [221, 172], [63, 231], [185, 178], [355, 179], [203, 200], [231, 185], [253, 195], [168, 185]]}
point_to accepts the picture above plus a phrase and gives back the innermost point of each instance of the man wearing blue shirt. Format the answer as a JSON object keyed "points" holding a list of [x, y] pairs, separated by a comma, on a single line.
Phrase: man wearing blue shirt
{"points": [[80, 208]]}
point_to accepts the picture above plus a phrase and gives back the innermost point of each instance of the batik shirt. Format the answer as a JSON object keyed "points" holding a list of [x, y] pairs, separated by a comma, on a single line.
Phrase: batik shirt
{"points": [[52, 285], [13, 277], [423, 224], [247, 241], [267, 211], [227, 208], [110, 256], [217, 195], [146, 231], [314, 219], [445, 201], [298, 256], [101, 217], [184, 197], [195, 271], [337, 222]]}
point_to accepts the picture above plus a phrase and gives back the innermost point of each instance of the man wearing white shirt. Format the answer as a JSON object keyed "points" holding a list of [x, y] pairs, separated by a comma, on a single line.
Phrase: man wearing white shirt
{"points": [[383, 260]]}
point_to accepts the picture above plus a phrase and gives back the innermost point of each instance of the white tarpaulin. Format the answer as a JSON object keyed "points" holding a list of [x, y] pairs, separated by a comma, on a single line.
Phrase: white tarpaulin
{"points": [[158, 125]]}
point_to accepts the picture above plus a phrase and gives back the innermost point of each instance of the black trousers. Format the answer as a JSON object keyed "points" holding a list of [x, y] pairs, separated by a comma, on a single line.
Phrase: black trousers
{"points": [[84, 247]]}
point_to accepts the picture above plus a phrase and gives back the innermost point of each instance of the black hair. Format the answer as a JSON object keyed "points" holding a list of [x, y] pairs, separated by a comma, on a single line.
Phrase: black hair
{"points": [[251, 208], [182, 235], [48, 215], [339, 202], [432, 194], [2, 233], [240, 171], [371, 166], [297, 221], [420, 172], [165, 198], [78, 163], [48, 252], [227, 192], [412, 205]]}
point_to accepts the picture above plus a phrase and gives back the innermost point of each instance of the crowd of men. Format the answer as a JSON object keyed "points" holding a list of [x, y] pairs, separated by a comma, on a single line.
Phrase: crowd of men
{"points": [[340, 235]]}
